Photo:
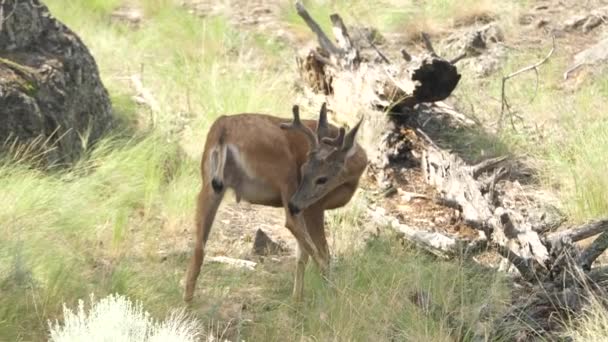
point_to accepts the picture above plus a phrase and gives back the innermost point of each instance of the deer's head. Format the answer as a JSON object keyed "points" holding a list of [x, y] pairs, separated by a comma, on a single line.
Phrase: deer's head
{"points": [[324, 168]]}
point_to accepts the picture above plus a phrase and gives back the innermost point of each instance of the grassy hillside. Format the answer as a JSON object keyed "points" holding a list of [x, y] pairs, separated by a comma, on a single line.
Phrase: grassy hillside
{"points": [[119, 221]]}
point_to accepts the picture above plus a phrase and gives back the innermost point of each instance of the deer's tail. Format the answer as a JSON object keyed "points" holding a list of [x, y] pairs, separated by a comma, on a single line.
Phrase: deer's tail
{"points": [[218, 162]]}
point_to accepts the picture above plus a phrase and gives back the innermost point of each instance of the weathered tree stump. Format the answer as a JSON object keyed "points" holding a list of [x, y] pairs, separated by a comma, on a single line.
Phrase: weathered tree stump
{"points": [[338, 72]]}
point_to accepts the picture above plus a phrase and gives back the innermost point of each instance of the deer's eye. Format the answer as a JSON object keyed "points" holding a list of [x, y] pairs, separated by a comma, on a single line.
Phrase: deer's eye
{"points": [[321, 180]]}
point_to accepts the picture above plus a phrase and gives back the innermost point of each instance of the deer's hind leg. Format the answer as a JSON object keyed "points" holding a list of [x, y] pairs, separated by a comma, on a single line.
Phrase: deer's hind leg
{"points": [[208, 202]]}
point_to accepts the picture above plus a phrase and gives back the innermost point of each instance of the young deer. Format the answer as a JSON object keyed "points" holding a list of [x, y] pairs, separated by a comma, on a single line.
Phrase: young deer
{"points": [[271, 162]]}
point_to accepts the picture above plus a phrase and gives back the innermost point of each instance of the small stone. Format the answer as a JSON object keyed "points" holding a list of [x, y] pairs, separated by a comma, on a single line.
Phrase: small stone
{"points": [[542, 22], [263, 245]]}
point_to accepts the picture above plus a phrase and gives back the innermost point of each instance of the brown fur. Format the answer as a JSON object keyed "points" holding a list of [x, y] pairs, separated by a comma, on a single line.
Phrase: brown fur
{"points": [[263, 166]]}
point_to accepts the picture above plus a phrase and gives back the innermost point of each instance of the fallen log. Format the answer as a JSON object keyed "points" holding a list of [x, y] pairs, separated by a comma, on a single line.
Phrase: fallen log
{"points": [[458, 184]]}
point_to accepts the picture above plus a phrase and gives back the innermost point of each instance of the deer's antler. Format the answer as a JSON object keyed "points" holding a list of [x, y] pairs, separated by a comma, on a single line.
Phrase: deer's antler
{"points": [[322, 125], [337, 141], [297, 124]]}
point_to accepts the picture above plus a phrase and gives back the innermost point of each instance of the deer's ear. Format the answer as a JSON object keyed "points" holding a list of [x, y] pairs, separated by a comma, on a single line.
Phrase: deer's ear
{"points": [[349, 140]]}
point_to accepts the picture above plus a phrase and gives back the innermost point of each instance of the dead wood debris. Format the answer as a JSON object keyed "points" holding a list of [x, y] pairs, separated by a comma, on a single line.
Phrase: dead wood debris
{"points": [[549, 264], [337, 70]]}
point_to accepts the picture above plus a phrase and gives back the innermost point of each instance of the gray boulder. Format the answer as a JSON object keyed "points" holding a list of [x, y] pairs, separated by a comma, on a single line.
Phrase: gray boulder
{"points": [[50, 89]]}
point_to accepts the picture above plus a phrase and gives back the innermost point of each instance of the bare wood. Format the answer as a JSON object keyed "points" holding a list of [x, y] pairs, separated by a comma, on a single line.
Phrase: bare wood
{"points": [[322, 59], [427, 43], [240, 263], [382, 55], [341, 33], [350, 54], [439, 244], [405, 55], [591, 253], [303, 166], [521, 264], [456, 183], [582, 232], [486, 165], [458, 58], [489, 186]]}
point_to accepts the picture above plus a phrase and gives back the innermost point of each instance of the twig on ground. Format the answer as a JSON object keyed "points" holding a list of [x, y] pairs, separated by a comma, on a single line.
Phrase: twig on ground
{"points": [[505, 103], [250, 265]]}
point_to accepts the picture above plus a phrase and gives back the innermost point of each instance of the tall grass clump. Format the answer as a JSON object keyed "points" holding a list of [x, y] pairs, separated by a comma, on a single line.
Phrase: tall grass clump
{"points": [[592, 326], [65, 233]]}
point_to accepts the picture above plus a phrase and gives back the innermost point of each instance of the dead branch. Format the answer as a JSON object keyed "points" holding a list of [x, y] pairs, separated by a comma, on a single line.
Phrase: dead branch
{"points": [[405, 55], [582, 232], [322, 59], [594, 250], [458, 58], [427, 43], [324, 41], [380, 86], [534, 67], [440, 245], [382, 55], [486, 165], [341, 33], [489, 186], [350, 54], [521, 264]]}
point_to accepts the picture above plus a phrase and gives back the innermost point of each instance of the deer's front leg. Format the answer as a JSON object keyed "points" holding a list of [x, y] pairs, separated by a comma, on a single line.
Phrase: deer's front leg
{"points": [[314, 218], [301, 262], [297, 224]]}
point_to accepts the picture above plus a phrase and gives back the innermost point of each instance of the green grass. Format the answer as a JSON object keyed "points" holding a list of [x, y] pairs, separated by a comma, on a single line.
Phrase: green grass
{"points": [[371, 297], [99, 226], [65, 234], [395, 16]]}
